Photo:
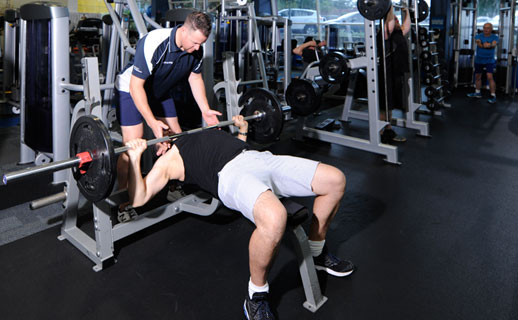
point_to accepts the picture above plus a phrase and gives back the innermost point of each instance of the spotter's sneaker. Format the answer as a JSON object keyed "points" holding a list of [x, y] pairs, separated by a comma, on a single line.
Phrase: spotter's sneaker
{"points": [[126, 214], [474, 95], [333, 265], [175, 193], [492, 99], [258, 308]]}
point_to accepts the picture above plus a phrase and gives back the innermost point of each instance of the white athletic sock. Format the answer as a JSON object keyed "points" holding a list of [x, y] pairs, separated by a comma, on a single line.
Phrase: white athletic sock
{"points": [[477, 90], [493, 95], [316, 247], [252, 288]]}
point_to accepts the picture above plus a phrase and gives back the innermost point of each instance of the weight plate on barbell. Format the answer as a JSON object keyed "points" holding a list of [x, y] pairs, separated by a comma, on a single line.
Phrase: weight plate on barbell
{"points": [[90, 134], [373, 9], [333, 67], [303, 96], [423, 8], [268, 128]]}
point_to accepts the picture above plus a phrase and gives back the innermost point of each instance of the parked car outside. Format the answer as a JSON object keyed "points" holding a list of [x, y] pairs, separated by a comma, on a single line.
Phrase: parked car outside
{"points": [[304, 20], [349, 28]]}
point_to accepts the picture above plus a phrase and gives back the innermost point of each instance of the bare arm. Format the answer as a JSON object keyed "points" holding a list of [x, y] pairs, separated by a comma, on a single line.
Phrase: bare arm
{"points": [[198, 91], [405, 28], [479, 43], [389, 27], [141, 190], [298, 50]]}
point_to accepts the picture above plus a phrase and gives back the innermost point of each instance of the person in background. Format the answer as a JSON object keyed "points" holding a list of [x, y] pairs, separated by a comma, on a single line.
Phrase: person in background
{"points": [[397, 65], [485, 61]]}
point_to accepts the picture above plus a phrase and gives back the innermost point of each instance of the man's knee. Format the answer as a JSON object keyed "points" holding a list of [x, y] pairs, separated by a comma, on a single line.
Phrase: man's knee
{"points": [[328, 179], [338, 180], [270, 216]]}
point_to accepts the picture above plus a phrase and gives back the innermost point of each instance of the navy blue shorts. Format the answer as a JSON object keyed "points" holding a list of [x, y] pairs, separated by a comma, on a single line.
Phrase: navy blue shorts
{"points": [[128, 114], [487, 67]]}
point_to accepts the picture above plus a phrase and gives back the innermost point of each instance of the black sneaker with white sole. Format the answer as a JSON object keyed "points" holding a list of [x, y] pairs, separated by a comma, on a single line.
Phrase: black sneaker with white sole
{"points": [[333, 265], [258, 308]]}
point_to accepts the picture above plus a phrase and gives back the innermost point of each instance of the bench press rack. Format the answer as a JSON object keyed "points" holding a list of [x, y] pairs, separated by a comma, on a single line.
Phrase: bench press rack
{"points": [[373, 143]]}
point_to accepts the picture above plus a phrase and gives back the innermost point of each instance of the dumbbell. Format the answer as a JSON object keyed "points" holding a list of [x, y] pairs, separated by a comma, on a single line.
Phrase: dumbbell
{"points": [[431, 67], [433, 91], [431, 79], [427, 55]]}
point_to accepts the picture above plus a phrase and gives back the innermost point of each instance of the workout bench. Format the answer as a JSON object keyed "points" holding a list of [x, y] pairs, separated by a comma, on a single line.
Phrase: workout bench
{"points": [[101, 248]]}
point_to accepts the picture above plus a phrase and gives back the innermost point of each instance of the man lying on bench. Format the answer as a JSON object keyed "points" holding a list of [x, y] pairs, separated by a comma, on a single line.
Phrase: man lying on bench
{"points": [[250, 182]]}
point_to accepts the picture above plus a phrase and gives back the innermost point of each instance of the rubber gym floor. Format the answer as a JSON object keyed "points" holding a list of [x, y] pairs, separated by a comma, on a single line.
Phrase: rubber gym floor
{"points": [[433, 238]]}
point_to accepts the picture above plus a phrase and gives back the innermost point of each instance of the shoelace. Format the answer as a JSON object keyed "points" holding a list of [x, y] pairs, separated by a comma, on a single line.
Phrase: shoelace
{"points": [[332, 260], [262, 308]]}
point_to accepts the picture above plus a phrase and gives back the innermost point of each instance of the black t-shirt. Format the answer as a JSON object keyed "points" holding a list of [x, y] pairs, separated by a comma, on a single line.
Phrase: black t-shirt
{"points": [[396, 53], [308, 55], [205, 153]]}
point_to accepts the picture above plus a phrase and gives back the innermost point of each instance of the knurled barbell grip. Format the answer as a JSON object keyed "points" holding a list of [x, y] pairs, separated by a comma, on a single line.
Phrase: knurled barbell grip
{"points": [[76, 161]]}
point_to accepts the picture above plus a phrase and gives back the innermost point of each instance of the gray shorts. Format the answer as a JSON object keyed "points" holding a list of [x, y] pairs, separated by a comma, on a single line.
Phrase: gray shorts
{"points": [[244, 178]]}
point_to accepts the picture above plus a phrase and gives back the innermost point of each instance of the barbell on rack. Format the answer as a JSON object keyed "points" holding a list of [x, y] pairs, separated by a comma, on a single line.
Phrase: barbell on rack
{"points": [[377, 9], [422, 9], [94, 163]]}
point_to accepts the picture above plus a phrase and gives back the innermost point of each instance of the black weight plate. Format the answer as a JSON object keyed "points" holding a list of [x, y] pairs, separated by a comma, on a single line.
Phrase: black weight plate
{"points": [[373, 9], [268, 128], [303, 96], [90, 134], [423, 8], [333, 67]]}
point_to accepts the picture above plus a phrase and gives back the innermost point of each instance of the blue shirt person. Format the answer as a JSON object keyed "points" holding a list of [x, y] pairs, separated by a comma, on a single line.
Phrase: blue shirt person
{"points": [[485, 61]]}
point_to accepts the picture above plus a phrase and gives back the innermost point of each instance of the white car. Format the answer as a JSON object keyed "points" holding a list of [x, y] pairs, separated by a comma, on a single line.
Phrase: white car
{"points": [[303, 19], [350, 17], [351, 27]]}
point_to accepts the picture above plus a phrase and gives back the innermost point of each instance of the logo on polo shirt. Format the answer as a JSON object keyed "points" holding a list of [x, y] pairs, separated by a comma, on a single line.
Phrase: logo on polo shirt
{"points": [[137, 69]]}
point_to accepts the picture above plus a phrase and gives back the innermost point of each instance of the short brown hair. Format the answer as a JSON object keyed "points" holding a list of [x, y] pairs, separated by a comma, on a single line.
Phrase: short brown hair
{"points": [[198, 20]]}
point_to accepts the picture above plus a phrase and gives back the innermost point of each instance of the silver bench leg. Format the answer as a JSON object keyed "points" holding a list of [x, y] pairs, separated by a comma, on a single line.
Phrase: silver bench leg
{"points": [[308, 273]]}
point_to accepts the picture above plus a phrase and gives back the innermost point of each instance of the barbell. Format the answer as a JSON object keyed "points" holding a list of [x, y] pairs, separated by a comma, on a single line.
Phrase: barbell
{"points": [[377, 9], [422, 10], [94, 163]]}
